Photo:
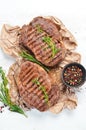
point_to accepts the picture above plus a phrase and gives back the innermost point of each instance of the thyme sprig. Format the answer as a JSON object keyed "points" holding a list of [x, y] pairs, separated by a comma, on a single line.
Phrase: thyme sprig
{"points": [[41, 87], [4, 94], [29, 57], [51, 44]]}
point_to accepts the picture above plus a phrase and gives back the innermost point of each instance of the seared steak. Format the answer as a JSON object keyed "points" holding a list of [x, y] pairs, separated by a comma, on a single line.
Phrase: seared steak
{"points": [[42, 37], [34, 87]]}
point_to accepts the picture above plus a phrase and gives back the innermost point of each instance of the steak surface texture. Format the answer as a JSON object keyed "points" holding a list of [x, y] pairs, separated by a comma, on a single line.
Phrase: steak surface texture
{"points": [[43, 39], [34, 85]]}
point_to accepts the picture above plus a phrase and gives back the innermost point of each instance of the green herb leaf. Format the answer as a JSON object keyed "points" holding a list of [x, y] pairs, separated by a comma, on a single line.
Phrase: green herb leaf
{"points": [[5, 81], [39, 28], [36, 81], [51, 44], [32, 59], [41, 88], [16, 108], [4, 94]]}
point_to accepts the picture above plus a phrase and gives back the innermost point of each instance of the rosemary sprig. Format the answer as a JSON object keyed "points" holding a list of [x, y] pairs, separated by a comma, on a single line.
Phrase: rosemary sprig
{"points": [[35, 81], [51, 44], [32, 59], [5, 97]]}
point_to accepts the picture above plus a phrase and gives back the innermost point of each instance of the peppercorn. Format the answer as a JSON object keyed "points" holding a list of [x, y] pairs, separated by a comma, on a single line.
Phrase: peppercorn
{"points": [[73, 75]]}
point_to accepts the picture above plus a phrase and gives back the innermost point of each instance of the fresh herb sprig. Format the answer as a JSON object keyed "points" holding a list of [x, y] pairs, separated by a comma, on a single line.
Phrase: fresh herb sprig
{"points": [[51, 44], [5, 97], [39, 28], [41, 87], [47, 39], [29, 57]]}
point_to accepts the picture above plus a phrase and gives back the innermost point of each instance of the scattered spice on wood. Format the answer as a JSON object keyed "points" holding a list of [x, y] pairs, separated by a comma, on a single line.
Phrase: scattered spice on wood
{"points": [[73, 75]]}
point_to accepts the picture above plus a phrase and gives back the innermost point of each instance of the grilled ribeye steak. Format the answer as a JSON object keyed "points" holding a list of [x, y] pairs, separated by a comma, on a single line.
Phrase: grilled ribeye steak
{"points": [[34, 87], [42, 37]]}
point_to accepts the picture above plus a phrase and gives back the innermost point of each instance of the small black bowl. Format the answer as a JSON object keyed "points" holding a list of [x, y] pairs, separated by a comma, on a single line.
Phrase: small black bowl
{"points": [[83, 74]]}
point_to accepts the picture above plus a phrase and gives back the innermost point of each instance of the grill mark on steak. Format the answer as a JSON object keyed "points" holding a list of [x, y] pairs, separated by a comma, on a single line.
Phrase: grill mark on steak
{"points": [[42, 56], [32, 88], [31, 77], [27, 75], [25, 71], [48, 26], [29, 91], [48, 50], [52, 97], [57, 56], [31, 32], [34, 40]]}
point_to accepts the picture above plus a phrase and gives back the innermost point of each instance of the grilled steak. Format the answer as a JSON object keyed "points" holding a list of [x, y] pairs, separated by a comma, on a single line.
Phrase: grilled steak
{"points": [[42, 37], [35, 88]]}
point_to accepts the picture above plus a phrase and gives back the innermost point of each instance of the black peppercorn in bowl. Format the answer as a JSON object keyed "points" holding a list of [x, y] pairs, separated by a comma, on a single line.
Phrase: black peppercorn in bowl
{"points": [[74, 75]]}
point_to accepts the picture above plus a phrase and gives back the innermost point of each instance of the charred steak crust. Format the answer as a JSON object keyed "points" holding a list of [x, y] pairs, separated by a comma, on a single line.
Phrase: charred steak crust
{"points": [[30, 92], [42, 37]]}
